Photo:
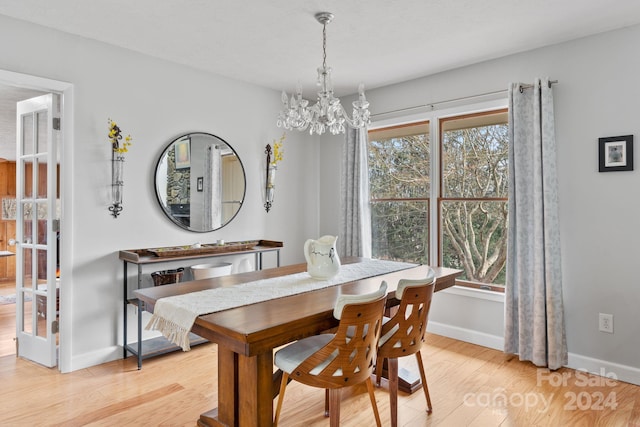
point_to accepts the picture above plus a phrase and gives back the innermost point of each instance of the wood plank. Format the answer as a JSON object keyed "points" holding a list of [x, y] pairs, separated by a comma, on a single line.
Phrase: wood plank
{"points": [[123, 406]]}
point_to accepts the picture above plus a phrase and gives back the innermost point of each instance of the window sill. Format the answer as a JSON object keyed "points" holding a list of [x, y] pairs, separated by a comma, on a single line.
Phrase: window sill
{"points": [[475, 293]]}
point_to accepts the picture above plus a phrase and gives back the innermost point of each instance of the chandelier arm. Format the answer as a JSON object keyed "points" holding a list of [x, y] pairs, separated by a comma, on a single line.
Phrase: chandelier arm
{"points": [[346, 117], [350, 122]]}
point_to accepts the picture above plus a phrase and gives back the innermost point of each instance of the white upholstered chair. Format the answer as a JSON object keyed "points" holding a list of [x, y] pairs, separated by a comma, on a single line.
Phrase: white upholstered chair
{"points": [[334, 361]]}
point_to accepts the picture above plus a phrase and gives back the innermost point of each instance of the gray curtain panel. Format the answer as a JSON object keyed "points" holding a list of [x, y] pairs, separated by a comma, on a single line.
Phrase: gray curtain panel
{"points": [[213, 188], [355, 217], [534, 319]]}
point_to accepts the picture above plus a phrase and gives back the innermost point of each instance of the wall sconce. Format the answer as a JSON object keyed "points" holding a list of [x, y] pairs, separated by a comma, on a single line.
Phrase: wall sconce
{"points": [[270, 180], [273, 157], [117, 182], [118, 148]]}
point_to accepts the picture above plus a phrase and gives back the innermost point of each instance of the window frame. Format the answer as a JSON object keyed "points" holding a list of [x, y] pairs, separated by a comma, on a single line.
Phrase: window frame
{"points": [[434, 116]]}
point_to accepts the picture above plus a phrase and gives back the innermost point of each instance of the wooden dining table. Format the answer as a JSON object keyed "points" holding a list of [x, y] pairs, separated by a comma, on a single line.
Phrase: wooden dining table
{"points": [[247, 336]]}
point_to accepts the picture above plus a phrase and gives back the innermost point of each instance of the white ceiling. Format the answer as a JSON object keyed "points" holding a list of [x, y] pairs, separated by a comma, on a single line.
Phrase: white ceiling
{"points": [[275, 43]]}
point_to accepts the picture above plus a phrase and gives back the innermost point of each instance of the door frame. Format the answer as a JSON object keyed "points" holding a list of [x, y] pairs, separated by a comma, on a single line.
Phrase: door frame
{"points": [[65, 90]]}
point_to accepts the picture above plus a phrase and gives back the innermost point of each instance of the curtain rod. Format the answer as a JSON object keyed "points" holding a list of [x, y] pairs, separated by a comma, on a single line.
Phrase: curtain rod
{"points": [[463, 98], [524, 86]]}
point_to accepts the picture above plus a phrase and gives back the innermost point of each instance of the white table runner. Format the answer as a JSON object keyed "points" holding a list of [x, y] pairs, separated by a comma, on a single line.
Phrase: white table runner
{"points": [[174, 316]]}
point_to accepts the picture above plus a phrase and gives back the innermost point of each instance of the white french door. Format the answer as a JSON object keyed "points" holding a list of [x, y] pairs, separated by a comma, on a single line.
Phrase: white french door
{"points": [[37, 229]]}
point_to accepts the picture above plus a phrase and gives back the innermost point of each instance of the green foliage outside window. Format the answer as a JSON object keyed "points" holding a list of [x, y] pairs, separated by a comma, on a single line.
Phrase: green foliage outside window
{"points": [[400, 231]]}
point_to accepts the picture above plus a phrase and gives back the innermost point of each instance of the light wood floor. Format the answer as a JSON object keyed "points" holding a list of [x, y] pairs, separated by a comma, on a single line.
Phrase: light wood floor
{"points": [[7, 287], [7, 320], [470, 386]]}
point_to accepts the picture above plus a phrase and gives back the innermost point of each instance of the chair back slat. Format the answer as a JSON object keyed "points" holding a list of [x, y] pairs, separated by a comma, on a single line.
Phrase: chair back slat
{"points": [[346, 360], [404, 333]]}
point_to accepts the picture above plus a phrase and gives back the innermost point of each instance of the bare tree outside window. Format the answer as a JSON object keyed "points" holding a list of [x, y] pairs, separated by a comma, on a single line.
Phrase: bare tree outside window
{"points": [[474, 196], [472, 203]]}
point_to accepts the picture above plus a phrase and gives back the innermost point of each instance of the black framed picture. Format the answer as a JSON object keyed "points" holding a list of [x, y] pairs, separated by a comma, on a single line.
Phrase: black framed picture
{"points": [[616, 153], [200, 183]]}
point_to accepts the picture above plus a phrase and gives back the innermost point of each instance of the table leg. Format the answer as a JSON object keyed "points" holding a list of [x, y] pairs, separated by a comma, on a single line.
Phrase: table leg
{"points": [[245, 391], [255, 390], [125, 299], [408, 375]]}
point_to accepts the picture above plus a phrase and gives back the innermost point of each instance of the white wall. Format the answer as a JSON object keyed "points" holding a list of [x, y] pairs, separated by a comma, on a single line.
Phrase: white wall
{"points": [[154, 101], [597, 96]]}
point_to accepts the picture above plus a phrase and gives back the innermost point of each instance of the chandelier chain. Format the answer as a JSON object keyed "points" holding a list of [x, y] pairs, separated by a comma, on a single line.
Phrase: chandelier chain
{"points": [[324, 46]]}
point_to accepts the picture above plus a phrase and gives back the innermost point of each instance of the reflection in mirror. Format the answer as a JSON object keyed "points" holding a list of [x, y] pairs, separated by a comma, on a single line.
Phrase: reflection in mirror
{"points": [[200, 182]]}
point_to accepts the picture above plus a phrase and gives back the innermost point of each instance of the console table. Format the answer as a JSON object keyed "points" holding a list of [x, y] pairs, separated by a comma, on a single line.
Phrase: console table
{"points": [[143, 349]]}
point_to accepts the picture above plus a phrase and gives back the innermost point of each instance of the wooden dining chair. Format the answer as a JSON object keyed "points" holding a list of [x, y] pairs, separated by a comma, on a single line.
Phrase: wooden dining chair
{"points": [[334, 361], [403, 334]]}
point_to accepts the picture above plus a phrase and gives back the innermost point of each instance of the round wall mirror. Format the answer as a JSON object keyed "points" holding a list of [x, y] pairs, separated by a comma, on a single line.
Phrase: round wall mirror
{"points": [[200, 182]]}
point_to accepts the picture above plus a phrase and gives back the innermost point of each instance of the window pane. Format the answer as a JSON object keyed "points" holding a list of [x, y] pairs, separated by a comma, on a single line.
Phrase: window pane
{"points": [[41, 316], [26, 323], [399, 162], [27, 136], [27, 222], [27, 177], [474, 158], [41, 177], [400, 230], [474, 239], [42, 145], [41, 266]]}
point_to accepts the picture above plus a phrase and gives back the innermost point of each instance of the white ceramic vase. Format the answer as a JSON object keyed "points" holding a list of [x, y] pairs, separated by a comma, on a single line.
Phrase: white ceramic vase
{"points": [[322, 257]]}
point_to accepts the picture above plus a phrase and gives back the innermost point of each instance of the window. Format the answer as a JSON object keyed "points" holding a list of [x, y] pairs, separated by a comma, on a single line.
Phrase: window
{"points": [[470, 191], [399, 166], [473, 202]]}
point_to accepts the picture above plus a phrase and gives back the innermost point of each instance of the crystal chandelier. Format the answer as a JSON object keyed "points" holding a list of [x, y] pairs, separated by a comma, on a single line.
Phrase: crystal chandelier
{"points": [[328, 111]]}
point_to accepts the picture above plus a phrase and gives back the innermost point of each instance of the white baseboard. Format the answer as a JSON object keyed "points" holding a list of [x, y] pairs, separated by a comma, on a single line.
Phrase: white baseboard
{"points": [[467, 335], [628, 374], [625, 373], [93, 358]]}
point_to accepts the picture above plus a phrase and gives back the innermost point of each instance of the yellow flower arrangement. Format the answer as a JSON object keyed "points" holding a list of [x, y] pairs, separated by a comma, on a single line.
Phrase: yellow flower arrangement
{"points": [[115, 135], [278, 151]]}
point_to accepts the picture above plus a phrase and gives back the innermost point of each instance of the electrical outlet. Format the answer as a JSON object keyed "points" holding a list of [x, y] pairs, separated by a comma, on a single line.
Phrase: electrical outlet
{"points": [[605, 322]]}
